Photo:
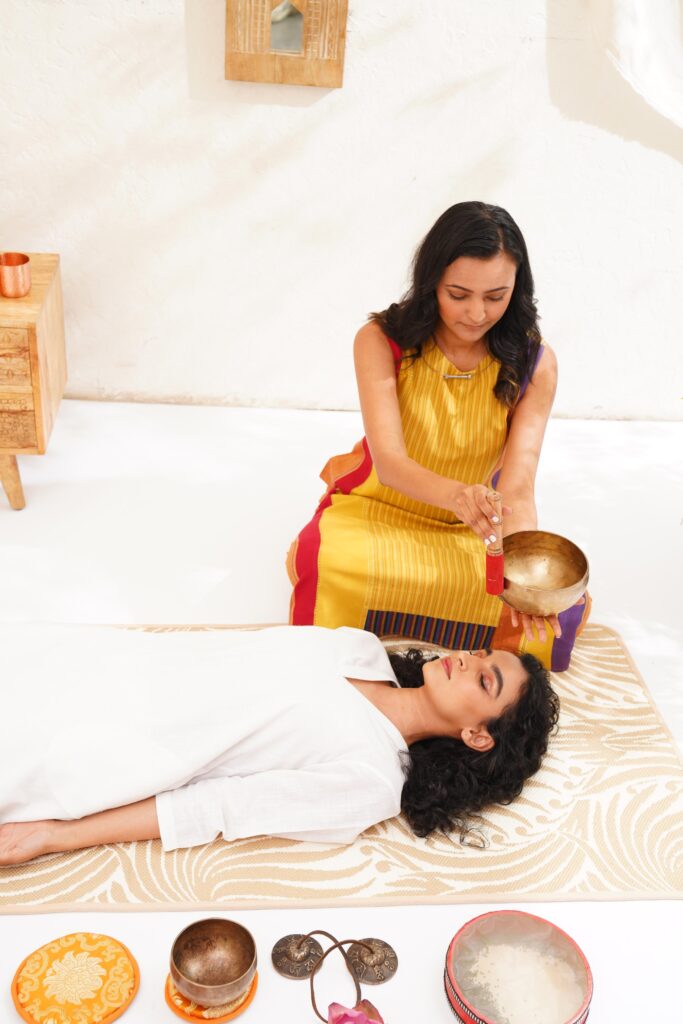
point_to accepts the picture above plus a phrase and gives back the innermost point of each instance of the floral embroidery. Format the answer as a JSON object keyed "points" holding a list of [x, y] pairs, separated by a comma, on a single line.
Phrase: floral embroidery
{"points": [[74, 978]]}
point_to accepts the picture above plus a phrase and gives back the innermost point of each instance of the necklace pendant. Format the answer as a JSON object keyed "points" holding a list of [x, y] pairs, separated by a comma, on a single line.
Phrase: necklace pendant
{"points": [[457, 376]]}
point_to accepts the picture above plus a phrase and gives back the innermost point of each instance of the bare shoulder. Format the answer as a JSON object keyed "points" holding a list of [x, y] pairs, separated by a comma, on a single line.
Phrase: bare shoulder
{"points": [[545, 374], [371, 335], [536, 403], [372, 353], [547, 364]]}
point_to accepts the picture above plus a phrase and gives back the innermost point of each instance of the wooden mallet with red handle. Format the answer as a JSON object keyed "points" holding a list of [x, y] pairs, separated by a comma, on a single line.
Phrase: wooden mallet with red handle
{"points": [[495, 572]]}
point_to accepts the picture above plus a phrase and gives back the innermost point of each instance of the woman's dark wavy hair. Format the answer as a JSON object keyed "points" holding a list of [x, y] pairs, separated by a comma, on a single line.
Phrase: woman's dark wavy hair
{"points": [[481, 231], [446, 781]]}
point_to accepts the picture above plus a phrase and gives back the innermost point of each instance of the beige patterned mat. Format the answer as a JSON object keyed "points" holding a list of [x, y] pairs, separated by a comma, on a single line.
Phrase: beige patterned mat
{"points": [[603, 819]]}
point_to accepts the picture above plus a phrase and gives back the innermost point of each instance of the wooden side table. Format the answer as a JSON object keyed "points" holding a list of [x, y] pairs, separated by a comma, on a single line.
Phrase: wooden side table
{"points": [[32, 370]]}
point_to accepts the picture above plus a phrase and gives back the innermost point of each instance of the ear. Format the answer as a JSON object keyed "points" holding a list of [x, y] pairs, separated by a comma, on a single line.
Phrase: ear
{"points": [[479, 739]]}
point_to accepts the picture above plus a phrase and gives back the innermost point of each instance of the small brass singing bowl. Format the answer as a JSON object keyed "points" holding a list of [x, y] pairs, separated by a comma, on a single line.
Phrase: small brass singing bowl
{"points": [[213, 962], [544, 573]]}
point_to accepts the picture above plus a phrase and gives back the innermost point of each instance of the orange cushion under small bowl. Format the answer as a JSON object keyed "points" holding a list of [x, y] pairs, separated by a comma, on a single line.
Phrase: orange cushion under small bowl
{"points": [[82, 977], [189, 1011]]}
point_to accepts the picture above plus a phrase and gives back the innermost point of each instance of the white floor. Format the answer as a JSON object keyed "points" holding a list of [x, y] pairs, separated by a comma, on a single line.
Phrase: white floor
{"points": [[144, 513]]}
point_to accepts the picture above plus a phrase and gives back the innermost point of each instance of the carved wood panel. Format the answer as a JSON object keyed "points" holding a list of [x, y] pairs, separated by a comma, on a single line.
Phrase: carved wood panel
{"points": [[16, 401], [13, 339], [17, 430], [15, 368]]}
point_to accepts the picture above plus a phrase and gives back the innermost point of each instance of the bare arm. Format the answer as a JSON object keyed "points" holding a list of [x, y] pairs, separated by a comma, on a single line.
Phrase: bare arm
{"points": [[22, 841], [520, 463], [376, 376], [523, 448]]}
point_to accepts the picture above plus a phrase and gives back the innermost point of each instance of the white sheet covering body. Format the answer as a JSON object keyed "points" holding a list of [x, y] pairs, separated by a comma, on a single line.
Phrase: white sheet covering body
{"points": [[237, 732]]}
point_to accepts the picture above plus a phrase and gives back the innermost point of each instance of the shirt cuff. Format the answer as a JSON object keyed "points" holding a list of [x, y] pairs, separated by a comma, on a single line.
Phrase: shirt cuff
{"points": [[185, 819], [166, 822]]}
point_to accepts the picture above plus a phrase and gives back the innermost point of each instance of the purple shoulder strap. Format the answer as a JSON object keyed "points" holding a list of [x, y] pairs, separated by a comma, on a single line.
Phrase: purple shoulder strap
{"points": [[527, 378], [524, 386]]}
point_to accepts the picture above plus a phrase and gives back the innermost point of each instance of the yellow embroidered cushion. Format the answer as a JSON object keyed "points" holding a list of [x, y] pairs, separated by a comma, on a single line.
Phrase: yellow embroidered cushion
{"points": [[78, 979]]}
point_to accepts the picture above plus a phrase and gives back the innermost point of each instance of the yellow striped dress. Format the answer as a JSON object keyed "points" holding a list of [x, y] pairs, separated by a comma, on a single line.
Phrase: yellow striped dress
{"points": [[372, 558]]}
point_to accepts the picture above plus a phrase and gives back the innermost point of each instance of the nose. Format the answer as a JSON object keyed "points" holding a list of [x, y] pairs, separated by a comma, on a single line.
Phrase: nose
{"points": [[476, 314]]}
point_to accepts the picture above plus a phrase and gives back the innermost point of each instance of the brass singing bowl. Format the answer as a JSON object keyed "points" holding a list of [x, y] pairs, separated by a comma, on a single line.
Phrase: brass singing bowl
{"points": [[544, 573], [213, 961]]}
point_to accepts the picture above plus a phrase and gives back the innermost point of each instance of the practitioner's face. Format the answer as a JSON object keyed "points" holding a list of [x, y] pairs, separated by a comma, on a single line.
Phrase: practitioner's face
{"points": [[469, 688], [473, 294]]}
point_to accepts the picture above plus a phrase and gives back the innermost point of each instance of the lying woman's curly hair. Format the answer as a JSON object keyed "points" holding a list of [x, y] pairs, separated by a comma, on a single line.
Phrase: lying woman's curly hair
{"points": [[446, 780], [481, 231]]}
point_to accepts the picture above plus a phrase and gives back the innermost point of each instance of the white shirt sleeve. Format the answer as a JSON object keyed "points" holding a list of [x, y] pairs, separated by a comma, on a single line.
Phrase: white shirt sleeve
{"points": [[326, 803]]}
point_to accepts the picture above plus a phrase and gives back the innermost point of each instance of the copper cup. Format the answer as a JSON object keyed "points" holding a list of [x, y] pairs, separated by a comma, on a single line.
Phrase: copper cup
{"points": [[15, 274]]}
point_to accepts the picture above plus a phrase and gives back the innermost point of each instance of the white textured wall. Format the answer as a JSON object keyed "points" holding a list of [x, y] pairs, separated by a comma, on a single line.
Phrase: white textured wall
{"points": [[222, 241]]}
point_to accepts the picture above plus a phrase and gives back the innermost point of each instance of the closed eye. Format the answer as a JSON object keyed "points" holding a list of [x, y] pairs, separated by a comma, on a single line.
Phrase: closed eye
{"points": [[488, 298]]}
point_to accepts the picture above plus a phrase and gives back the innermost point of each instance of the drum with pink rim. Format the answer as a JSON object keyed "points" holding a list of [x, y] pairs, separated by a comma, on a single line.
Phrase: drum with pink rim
{"points": [[510, 967]]}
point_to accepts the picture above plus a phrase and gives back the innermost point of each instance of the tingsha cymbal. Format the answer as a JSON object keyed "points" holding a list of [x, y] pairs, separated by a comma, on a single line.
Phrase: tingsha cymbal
{"points": [[296, 956], [375, 965]]}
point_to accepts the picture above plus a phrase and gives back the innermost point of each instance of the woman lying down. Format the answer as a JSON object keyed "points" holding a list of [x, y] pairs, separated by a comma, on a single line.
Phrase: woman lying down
{"points": [[111, 735]]}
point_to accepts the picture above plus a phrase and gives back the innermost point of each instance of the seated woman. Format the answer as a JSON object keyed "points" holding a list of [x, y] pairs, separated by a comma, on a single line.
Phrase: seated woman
{"points": [[112, 735], [455, 387]]}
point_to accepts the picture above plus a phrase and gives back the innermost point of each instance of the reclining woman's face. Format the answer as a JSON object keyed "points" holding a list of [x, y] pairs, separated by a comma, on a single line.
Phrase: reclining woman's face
{"points": [[469, 688]]}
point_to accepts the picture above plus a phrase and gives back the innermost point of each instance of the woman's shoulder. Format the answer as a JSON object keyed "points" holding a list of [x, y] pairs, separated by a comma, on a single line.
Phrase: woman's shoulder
{"points": [[545, 370], [371, 334], [371, 341], [547, 353], [541, 382], [542, 364], [363, 654]]}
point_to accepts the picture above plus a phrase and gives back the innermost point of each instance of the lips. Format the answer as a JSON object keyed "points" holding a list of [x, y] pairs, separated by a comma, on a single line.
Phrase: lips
{"points": [[447, 666]]}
